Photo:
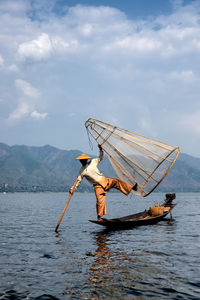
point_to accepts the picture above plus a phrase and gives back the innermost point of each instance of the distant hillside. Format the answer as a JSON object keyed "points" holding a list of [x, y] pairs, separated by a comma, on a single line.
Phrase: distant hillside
{"points": [[24, 168], [184, 175]]}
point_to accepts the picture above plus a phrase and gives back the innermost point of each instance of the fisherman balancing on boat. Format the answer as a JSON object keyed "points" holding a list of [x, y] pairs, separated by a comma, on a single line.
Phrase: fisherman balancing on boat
{"points": [[100, 183]]}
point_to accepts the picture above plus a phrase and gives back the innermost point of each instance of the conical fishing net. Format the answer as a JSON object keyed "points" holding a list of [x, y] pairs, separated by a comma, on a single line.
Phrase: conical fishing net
{"points": [[134, 158]]}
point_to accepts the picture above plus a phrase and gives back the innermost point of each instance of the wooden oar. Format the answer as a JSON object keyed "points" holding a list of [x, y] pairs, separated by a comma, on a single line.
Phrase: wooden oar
{"points": [[70, 194]]}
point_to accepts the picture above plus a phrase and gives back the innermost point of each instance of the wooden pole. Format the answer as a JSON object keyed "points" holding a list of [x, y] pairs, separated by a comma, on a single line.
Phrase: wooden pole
{"points": [[70, 194]]}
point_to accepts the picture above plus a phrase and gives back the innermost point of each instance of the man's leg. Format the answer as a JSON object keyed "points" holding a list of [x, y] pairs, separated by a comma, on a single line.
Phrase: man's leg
{"points": [[101, 200], [119, 184]]}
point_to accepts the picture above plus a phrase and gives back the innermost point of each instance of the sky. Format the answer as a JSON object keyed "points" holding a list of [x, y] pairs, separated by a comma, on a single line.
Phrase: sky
{"points": [[133, 64]]}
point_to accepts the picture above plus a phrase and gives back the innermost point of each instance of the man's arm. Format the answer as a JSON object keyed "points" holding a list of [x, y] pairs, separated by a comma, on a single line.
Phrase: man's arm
{"points": [[79, 179], [100, 152]]}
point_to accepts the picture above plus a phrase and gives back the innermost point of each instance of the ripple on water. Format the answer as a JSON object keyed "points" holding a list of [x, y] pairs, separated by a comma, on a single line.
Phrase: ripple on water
{"points": [[83, 261]]}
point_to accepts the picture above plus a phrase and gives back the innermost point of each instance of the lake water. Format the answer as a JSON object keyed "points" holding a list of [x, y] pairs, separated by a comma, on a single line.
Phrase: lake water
{"points": [[83, 261]]}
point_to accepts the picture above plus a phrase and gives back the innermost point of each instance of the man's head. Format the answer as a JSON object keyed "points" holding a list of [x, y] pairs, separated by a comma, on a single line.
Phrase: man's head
{"points": [[83, 158], [83, 162]]}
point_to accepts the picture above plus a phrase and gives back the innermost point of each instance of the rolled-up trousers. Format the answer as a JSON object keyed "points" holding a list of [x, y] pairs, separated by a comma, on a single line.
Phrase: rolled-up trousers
{"points": [[102, 189]]}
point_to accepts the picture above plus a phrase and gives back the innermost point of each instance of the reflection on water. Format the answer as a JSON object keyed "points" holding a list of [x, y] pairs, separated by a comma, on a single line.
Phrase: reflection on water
{"points": [[101, 268], [144, 271], [158, 261]]}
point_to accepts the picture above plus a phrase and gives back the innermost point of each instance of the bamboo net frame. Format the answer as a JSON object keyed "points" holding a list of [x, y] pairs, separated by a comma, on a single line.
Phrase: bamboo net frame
{"points": [[134, 158]]}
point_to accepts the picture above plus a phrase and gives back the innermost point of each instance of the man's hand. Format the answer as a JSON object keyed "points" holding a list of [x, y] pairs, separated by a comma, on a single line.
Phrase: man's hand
{"points": [[100, 147], [71, 192]]}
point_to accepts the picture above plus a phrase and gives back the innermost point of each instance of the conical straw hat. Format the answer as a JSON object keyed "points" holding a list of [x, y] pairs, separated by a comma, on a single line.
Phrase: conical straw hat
{"points": [[83, 156]]}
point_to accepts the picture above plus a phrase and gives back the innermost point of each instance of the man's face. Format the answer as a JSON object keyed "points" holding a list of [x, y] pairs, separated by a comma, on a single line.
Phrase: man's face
{"points": [[83, 162]]}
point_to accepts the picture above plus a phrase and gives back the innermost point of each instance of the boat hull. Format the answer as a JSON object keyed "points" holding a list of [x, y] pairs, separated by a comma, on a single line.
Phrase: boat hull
{"points": [[134, 220]]}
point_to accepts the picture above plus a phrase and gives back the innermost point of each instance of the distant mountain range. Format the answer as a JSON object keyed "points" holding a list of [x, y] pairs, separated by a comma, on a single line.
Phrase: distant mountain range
{"points": [[24, 168]]}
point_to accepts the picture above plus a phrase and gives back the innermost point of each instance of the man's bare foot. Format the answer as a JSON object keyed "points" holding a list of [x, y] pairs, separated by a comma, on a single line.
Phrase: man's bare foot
{"points": [[134, 188], [99, 220]]}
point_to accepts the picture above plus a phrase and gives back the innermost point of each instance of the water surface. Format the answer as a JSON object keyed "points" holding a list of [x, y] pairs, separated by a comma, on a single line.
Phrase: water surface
{"points": [[83, 261]]}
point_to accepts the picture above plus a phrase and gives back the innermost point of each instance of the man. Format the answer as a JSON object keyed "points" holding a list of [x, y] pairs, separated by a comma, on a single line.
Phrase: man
{"points": [[101, 183]]}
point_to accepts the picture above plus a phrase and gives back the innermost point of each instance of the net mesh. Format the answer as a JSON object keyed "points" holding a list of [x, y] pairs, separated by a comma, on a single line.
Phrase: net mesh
{"points": [[134, 158]]}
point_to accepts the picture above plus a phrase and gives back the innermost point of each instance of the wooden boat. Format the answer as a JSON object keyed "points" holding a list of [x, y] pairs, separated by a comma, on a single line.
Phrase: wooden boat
{"points": [[142, 218]]}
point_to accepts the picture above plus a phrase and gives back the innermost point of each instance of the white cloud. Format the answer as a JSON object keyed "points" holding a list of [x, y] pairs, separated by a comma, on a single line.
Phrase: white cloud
{"points": [[61, 45], [36, 115], [14, 7], [136, 44], [107, 28], [44, 46], [26, 88], [95, 15], [36, 49], [27, 102], [25, 109], [186, 75], [97, 53], [87, 29], [22, 110], [13, 68]]}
